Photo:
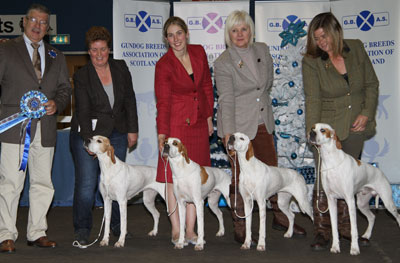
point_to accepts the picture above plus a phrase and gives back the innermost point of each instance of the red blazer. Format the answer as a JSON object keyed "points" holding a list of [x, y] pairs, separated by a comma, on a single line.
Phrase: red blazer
{"points": [[180, 101]]}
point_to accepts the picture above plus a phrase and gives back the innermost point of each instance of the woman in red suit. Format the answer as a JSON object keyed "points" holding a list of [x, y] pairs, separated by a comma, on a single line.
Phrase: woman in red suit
{"points": [[185, 100]]}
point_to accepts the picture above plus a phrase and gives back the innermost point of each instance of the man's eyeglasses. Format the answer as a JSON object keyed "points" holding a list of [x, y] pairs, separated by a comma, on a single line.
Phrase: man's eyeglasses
{"points": [[35, 20]]}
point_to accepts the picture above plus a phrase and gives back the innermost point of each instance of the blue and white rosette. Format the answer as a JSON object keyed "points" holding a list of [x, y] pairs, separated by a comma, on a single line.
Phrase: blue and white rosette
{"points": [[32, 107]]}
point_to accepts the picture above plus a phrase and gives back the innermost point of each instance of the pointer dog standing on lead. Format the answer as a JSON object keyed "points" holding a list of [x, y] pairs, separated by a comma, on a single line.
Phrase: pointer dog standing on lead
{"points": [[193, 183], [259, 181], [120, 182], [343, 177]]}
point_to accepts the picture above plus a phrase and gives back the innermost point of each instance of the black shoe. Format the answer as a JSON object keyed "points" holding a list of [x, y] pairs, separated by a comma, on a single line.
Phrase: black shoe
{"points": [[118, 233], [363, 242], [82, 239], [240, 239], [320, 243], [297, 230], [82, 236]]}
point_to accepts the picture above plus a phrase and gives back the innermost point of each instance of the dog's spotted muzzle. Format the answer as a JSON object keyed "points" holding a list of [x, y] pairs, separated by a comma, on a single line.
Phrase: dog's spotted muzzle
{"points": [[165, 151], [312, 138], [230, 146], [86, 143], [231, 140]]}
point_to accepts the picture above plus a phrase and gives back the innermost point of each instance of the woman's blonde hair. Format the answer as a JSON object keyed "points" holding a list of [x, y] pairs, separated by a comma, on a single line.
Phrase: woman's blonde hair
{"points": [[238, 17], [331, 27]]}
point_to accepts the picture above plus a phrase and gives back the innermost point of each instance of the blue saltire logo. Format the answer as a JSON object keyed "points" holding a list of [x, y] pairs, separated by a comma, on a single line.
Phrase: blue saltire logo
{"points": [[143, 21]]}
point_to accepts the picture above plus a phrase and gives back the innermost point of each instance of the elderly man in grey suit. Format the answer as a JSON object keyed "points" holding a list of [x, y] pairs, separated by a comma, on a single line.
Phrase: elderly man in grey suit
{"points": [[18, 75]]}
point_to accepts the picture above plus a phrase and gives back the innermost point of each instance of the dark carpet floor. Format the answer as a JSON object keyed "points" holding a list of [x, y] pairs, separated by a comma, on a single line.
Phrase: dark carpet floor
{"points": [[385, 242]]}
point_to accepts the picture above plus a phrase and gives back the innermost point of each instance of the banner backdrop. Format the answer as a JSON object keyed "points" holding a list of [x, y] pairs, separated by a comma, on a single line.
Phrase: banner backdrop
{"points": [[376, 23], [206, 22], [271, 18], [137, 30]]}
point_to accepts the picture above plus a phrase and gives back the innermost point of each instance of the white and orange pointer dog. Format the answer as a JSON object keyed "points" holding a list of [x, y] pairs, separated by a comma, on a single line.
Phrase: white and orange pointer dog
{"points": [[259, 181], [120, 182], [192, 184], [342, 178]]}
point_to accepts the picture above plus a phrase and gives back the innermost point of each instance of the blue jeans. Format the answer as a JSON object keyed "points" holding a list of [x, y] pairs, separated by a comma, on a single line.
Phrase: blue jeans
{"points": [[87, 173]]}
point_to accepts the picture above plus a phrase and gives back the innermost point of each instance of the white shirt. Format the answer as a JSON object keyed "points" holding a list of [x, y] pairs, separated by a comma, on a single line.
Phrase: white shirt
{"points": [[28, 43]]}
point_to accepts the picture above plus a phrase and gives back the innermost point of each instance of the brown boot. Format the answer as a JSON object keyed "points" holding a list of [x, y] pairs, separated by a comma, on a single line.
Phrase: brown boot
{"points": [[280, 221], [239, 224], [322, 222], [343, 220], [344, 225]]}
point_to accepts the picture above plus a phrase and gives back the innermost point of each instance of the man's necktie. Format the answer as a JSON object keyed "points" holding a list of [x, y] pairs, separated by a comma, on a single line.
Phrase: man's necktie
{"points": [[36, 61]]}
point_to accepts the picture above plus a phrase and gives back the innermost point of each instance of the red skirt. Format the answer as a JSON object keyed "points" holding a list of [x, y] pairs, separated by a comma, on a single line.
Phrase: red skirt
{"points": [[196, 140]]}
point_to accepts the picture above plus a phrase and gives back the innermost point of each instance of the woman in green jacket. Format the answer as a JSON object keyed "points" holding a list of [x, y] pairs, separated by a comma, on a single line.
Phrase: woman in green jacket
{"points": [[341, 89]]}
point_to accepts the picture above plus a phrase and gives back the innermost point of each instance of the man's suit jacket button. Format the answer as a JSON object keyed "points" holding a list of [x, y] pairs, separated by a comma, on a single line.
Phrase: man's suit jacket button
{"points": [[258, 88], [262, 109], [112, 116], [40, 87]]}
